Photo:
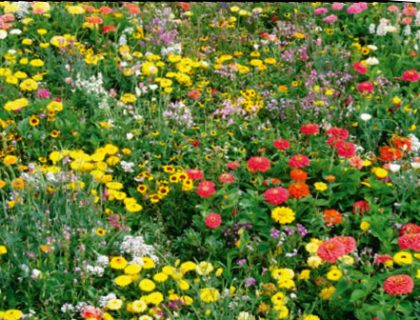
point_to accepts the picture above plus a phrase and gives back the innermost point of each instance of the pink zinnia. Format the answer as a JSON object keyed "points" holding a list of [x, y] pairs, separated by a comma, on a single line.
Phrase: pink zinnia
{"points": [[399, 284], [205, 189], [299, 161], [43, 93], [357, 8], [356, 162], [226, 178], [338, 132], [233, 165], [320, 10], [359, 67], [337, 6], [330, 19], [382, 258], [276, 195], [410, 228], [365, 86], [409, 241], [195, 174], [348, 242], [260, 164], [281, 144], [410, 75], [213, 220], [345, 149], [331, 250]]}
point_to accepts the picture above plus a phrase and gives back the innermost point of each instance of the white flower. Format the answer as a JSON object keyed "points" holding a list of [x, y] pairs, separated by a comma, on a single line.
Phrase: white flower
{"points": [[415, 165], [16, 31], [245, 316], [365, 116], [372, 47], [129, 136], [394, 167], [371, 61], [3, 34]]}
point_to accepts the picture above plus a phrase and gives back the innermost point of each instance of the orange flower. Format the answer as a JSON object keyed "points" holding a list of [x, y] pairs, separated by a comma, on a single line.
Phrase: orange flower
{"points": [[332, 217], [298, 190], [298, 175]]}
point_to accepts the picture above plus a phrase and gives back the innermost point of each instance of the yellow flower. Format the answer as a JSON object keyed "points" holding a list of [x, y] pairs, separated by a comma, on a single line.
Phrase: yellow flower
{"points": [[148, 263], [304, 274], [75, 10], [279, 298], [208, 295], [133, 207], [327, 293], [137, 306], [311, 317], [100, 232], [402, 258], [380, 172], [36, 63], [283, 215], [10, 160], [204, 268], [2, 184], [16, 104], [160, 277], [364, 226], [154, 298], [314, 262], [282, 312], [334, 274], [55, 106], [118, 263], [147, 285], [132, 269], [114, 304], [285, 273], [3, 250], [12, 314], [123, 280], [320, 186]]}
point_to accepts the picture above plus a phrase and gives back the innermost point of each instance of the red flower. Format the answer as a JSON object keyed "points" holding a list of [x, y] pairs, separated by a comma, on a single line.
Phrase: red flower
{"points": [[281, 144], [132, 8], [365, 86], [105, 10], [399, 284], [226, 178], [298, 161], [276, 195], [360, 207], [389, 153], [298, 175], [90, 312], [404, 144], [205, 189], [260, 164], [298, 190], [410, 228], [184, 6], [348, 242], [332, 217], [338, 133], [195, 174], [409, 241], [331, 250], [359, 67], [382, 258], [309, 129], [94, 20], [108, 28], [194, 94], [345, 149], [213, 220], [233, 165], [410, 75]]}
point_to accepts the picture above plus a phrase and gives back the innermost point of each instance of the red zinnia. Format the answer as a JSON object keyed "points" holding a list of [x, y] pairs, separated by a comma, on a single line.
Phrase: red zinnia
{"points": [[360, 207], [345, 149], [410, 228], [382, 258], [213, 220], [233, 165], [226, 178], [184, 6], [276, 195], [402, 143], [205, 189], [108, 28], [365, 86], [309, 128], [260, 164], [195, 174], [281, 144], [331, 250], [332, 217], [359, 67], [298, 190], [410, 75], [399, 284], [298, 175], [338, 133], [409, 241], [389, 154], [298, 161]]}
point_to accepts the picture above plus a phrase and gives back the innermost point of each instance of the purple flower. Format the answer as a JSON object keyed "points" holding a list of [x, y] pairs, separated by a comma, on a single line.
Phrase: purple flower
{"points": [[275, 234], [301, 230], [249, 282], [241, 262]]}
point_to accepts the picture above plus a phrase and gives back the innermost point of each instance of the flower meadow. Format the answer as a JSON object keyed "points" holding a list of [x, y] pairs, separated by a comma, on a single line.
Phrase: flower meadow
{"points": [[209, 160]]}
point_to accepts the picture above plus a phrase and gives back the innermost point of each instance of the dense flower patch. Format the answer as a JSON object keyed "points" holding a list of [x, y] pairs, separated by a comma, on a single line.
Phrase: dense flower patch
{"points": [[193, 160]]}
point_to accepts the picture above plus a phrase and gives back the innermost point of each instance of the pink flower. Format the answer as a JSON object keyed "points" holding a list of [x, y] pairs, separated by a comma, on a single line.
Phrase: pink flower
{"points": [[281, 144], [365, 86], [337, 6], [338, 133], [356, 162], [345, 149], [205, 189], [320, 10], [91, 313], [359, 67], [195, 174], [213, 220], [410, 241], [233, 165], [393, 8], [299, 161], [226, 178], [331, 250], [357, 8], [398, 285], [330, 19], [43, 94], [410, 75], [260, 164], [276, 195]]}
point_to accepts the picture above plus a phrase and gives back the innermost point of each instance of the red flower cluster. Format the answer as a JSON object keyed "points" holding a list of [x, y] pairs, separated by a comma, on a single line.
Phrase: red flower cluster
{"points": [[409, 228], [260, 164], [276, 195], [205, 189], [399, 284], [233, 165], [333, 249], [213, 220]]}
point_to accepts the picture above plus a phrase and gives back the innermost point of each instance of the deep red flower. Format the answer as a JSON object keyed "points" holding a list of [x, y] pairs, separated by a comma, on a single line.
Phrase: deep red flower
{"points": [[410, 75], [331, 250], [213, 220], [205, 189], [360, 207], [409, 241], [309, 129], [399, 284], [359, 67], [281, 144], [260, 164], [108, 28], [299, 161], [365, 86], [276, 195]]}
